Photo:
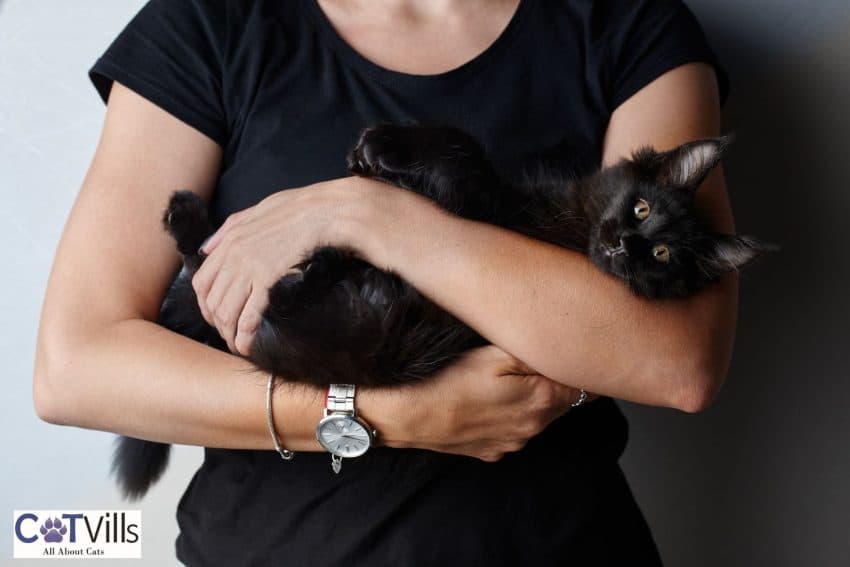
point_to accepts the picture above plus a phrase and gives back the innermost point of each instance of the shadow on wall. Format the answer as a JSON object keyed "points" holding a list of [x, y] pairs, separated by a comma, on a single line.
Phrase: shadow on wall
{"points": [[760, 478]]}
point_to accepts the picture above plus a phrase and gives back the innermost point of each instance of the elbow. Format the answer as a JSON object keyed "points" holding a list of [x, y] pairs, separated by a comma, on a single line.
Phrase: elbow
{"points": [[697, 395], [699, 373], [43, 400], [49, 404], [698, 384]]}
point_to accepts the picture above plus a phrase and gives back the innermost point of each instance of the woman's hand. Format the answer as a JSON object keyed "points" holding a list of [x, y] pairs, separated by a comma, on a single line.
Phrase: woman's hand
{"points": [[255, 247], [483, 405]]}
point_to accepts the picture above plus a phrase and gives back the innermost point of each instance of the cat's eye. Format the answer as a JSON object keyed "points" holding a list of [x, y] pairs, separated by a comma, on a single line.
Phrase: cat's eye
{"points": [[641, 209], [661, 253]]}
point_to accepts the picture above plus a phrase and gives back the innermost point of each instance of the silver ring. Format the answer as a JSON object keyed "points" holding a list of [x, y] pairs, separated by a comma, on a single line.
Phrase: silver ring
{"points": [[580, 400], [285, 454]]}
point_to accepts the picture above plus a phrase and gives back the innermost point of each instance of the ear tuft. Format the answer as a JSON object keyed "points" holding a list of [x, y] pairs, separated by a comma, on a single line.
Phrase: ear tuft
{"points": [[689, 164], [731, 253]]}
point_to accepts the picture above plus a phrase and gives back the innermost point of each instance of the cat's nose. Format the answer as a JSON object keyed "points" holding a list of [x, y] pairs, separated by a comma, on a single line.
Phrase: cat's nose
{"points": [[617, 243], [616, 249]]}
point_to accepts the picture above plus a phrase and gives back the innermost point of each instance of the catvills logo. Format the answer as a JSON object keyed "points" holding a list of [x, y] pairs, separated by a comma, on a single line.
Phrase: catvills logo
{"points": [[96, 534]]}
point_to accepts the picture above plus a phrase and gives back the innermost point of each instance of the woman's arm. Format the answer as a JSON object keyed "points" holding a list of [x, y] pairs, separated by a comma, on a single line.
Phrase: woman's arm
{"points": [[550, 307], [103, 363]]}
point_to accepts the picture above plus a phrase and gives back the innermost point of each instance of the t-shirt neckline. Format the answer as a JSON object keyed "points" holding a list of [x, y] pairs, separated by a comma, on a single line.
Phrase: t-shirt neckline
{"points": [[359, 62]]}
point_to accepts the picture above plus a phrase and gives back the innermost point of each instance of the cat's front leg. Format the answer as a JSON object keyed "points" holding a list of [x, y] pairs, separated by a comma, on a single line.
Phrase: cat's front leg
{"points": [[439, 162]]}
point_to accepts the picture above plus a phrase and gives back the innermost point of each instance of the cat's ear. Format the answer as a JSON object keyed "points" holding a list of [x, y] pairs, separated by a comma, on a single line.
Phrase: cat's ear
{"points": [[687, 166], [725, 253]]}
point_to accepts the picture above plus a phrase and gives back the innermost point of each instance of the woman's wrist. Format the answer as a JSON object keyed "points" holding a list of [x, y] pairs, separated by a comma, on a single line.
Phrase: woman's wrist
{"points": [[359, 225], [381, 220], [296, 410], [388, 410]]}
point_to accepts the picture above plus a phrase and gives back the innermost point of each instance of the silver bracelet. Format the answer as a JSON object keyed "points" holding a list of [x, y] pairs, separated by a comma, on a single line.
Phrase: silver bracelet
{"points": [[285, 454], [580, 400]]}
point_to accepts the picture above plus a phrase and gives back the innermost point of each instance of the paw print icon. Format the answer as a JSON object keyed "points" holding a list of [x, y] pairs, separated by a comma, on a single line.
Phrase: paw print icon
{"points": [[53, 529]]}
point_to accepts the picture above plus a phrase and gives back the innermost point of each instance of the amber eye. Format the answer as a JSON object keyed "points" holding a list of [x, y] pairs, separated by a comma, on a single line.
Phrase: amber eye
{"points": [[661, 253], [641, 209]]}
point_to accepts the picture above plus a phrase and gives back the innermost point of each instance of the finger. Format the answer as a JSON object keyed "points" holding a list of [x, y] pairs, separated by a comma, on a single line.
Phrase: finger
{"points": [[205, 247], [522, 368], [561, 399], [508, 363], [216, 294], [208, 245], [229, 310], [202, 282], [249, 320], [212, 241], [568, 394]]}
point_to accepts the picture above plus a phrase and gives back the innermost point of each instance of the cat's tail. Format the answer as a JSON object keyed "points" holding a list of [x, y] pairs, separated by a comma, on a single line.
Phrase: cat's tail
{"points": [[137, 465], [187, 220]]}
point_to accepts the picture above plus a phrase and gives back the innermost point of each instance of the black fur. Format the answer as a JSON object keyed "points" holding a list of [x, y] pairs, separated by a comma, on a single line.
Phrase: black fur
{"points": [[340, 319], [138, 464]]}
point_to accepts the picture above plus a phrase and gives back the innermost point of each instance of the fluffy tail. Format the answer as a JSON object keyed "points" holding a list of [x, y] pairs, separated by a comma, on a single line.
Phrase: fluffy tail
{"points": [[137, 465]]}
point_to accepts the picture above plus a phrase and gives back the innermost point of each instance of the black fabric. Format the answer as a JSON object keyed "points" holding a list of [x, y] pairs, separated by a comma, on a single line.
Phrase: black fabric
{"points": [[284, 95]]}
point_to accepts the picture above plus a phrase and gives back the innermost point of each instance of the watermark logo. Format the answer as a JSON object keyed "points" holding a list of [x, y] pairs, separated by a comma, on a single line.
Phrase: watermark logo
{"points": [[79, 534], [53, 530]]}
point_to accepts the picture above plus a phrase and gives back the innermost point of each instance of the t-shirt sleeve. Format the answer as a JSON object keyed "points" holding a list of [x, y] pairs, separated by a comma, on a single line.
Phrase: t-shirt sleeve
{"points": [[171, 53], [648, 38]]}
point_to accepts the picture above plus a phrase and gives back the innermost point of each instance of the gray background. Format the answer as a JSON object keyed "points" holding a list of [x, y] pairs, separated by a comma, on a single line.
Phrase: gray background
{"points": [[758, 479]]}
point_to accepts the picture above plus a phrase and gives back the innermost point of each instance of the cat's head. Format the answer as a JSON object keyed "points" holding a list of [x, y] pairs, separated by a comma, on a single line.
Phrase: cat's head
{"points": [[648, 232]]}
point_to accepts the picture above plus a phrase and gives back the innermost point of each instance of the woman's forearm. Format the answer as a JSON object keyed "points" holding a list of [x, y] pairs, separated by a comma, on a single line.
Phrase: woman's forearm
{"points": [[136, 378], [139, 379], [548, 306], [551, 307]]}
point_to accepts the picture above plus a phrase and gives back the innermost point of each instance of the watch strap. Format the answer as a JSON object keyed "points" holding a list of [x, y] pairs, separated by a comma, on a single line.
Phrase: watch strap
{"points": [[340, 398]]}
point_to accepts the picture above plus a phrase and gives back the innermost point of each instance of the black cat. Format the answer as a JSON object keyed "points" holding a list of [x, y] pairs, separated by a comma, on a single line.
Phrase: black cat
{"points": [[341, 319]]}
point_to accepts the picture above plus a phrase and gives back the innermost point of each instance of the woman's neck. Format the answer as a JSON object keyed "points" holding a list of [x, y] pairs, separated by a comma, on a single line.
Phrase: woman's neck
{"points": [[419, 37]]}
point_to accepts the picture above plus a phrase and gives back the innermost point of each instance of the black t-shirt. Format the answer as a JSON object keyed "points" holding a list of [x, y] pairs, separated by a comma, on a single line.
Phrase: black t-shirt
{"points": [[284, 95]]}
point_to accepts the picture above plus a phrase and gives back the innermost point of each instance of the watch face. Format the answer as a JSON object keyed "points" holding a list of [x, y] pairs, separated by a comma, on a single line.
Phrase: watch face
{"points": [[343, 436]]}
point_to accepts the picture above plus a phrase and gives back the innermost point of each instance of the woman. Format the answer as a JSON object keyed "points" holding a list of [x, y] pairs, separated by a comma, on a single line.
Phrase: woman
{"points": [[253, 104]]}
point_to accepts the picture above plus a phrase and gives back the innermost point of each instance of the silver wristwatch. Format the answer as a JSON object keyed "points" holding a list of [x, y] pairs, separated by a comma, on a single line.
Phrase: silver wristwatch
{"points": [[341, 432]]}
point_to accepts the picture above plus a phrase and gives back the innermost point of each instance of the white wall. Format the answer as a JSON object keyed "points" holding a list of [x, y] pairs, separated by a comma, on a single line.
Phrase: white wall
{"points": [[758, 479]]}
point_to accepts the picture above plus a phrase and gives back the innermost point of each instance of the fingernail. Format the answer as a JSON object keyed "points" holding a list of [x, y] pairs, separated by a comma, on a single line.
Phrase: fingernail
{"points": [[204, 243]]}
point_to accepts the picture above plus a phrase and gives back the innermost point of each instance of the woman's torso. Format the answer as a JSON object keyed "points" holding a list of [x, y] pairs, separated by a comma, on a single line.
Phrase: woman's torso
{"points": [[296, 96]]}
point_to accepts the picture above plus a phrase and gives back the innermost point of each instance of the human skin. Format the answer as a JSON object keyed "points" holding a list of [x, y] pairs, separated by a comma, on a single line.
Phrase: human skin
{"points": [[102, 363], [547, 306]]}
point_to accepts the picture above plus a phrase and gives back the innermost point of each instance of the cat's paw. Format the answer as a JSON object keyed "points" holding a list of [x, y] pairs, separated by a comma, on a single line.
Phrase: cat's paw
{"points": [[184, 207], [383, 151], [186, 220], [52, 530]]}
